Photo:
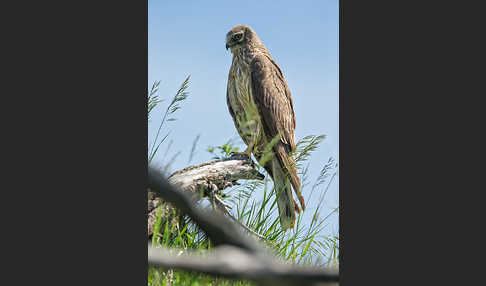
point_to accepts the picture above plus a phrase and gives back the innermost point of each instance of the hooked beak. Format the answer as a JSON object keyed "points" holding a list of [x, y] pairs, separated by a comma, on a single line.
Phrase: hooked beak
{"points": [[227, 46]]}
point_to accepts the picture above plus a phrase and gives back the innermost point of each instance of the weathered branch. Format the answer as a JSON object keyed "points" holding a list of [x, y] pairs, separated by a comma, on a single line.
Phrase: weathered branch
{"points": [[223, 173], [218, 228], [210, 176], [236, 255]]}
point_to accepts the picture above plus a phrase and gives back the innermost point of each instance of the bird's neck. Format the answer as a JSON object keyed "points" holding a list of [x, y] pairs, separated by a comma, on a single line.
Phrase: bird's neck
{"points": [[243, 55], [248, 53]]}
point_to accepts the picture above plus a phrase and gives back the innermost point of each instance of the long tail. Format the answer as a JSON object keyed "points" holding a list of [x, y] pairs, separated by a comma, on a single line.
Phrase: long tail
{"points": [[285, 201], [283, 154]]}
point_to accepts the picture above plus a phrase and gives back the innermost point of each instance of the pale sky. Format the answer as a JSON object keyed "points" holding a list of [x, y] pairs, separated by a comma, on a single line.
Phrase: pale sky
{"points": [[188, 38]]}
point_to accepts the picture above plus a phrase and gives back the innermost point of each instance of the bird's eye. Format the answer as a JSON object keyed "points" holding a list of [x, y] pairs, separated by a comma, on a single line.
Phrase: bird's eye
{"points": [[237, 37]]}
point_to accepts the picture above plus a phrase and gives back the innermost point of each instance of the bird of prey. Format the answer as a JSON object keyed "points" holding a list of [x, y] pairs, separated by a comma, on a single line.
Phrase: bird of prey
{"points": [[261, 106]]}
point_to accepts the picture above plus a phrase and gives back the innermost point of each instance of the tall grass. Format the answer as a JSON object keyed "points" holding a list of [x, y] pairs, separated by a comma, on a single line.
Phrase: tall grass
{"points": [[305, 244], [253, 204], [175, 104]]}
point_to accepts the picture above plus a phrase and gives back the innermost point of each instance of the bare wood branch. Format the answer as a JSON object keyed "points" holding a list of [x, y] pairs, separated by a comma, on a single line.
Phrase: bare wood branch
{"points": [[231, 262], [220, 173], [219, 229], [223, 173]]}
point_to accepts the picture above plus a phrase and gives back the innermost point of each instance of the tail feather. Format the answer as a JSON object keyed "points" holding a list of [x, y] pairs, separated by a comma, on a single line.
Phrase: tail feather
{"points": [[296, 206], [285, 202], [286, 160]]}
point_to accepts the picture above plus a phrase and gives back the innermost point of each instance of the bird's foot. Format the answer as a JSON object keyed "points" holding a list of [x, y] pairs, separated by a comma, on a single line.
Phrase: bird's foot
{"points": [[246, 153]]}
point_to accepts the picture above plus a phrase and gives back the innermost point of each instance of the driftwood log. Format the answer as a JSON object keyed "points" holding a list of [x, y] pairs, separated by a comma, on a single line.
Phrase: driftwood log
{"points": [[236, 255], [212, 176]]}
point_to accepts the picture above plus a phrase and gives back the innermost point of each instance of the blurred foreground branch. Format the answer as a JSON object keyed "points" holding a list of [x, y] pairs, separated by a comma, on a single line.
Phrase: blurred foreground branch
{"points": [[235, 255], [234, 263]]}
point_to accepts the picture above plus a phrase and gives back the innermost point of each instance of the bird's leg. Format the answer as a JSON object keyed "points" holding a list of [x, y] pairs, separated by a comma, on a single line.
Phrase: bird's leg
{"points": [[249, 150], [246, 153]]}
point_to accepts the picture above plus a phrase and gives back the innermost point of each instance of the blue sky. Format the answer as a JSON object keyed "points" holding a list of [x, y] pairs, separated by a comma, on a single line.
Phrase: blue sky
{"points": [[188, 37]]}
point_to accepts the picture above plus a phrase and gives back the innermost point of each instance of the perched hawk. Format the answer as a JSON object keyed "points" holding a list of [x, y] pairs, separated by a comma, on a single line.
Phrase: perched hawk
{"points": [[260, 104]]}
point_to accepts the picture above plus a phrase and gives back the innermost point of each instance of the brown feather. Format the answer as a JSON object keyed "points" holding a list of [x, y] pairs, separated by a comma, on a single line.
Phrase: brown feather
{"points": [[255, 82], [272, 97]]}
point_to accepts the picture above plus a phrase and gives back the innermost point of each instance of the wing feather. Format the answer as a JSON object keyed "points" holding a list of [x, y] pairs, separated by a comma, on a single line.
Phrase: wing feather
{"points": [[274, 102], [272, 96]]}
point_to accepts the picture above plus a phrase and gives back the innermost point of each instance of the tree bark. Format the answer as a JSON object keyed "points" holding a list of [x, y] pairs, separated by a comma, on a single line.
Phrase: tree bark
{"points": [[203, 178]]}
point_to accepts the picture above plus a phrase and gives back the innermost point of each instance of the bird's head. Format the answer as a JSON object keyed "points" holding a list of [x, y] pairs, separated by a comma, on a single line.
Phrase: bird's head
{"points": [[239, 36]]}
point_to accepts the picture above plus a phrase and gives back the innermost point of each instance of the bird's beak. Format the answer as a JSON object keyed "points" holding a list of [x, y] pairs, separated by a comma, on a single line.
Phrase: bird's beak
{"points": [[227, 46]]}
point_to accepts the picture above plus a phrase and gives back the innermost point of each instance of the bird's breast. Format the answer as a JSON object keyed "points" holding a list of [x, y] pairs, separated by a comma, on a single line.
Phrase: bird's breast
{"points": [[240, 98]]}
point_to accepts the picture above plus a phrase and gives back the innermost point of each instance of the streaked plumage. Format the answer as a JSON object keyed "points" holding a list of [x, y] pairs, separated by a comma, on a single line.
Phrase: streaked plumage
{"points": [[258, 93]]}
